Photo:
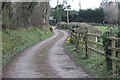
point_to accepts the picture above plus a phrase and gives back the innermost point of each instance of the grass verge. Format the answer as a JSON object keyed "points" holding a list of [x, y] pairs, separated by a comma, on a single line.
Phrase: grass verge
{"points": [[14, 41], [90, 65]]}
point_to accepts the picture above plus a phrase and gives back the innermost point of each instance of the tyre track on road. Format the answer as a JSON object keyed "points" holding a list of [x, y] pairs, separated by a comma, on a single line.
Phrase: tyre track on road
{"points": [[46, 59]]}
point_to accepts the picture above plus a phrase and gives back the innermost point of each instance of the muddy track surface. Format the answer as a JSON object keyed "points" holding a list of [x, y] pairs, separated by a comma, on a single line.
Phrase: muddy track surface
{"points": [[46, 59]]}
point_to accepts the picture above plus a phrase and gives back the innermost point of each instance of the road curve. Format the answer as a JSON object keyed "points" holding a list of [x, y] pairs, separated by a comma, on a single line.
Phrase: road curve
{"points": [[46, 59], [61, 62]]}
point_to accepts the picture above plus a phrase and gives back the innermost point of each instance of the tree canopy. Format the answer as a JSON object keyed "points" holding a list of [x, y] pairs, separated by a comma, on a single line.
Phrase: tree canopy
{"points": [[24, 14], [88, 15]]}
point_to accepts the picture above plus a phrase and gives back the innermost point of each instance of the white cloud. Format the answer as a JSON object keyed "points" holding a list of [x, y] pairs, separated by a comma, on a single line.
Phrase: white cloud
{"points": [[25, 0], [85, 4], [75, 4]]}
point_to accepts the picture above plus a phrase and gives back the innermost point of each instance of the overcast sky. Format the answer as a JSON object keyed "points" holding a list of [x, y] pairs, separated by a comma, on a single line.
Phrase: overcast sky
{"points": [[85, 4]]}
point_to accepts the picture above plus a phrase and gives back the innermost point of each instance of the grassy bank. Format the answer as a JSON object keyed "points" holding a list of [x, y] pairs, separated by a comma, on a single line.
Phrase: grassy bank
{"points": [[90, 65], [102, 28], [14, 41]]}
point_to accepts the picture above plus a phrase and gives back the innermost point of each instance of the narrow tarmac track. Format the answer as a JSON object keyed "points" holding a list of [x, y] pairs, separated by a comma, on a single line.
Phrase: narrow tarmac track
{"points": [[46, 59]]}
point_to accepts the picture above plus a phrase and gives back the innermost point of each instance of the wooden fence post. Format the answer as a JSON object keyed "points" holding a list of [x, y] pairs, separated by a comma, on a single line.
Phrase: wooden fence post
{"points": [[76, 41], [73, 36], [97, 40], [108, 51], [79, 41], [86, 43], [113, 61]]}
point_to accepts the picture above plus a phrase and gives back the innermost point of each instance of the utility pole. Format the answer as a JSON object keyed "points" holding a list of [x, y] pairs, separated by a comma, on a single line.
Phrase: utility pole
{"points": [[67, 15], [64, 2], [67, 18], [79, 4], [57, 11]]}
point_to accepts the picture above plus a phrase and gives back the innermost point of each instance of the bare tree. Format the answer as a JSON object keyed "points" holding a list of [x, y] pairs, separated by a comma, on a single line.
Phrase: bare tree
{"points": [[25, 14]]}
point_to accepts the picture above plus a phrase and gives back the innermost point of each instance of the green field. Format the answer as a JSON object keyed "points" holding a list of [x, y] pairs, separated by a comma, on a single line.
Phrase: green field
{"points": [[102, 28], [106, 28], [14, 41]]}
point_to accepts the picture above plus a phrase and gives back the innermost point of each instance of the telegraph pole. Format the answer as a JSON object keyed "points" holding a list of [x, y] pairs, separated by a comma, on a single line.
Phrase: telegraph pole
{"points": [[67, 15], [64, 1], [79, 4], [67, 18], [57, 11]]}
